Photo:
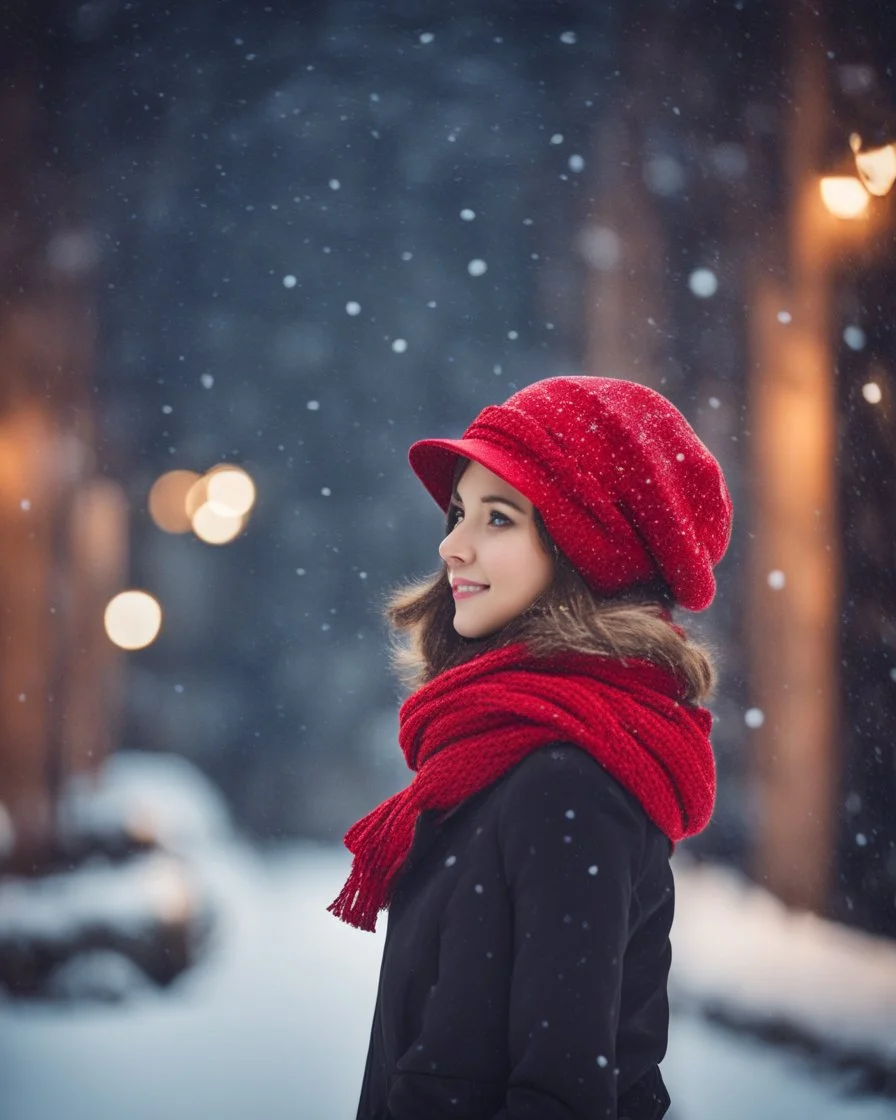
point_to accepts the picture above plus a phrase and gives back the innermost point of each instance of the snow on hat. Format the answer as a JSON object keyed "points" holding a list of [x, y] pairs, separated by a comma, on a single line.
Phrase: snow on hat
{"points": [[625, 487]]}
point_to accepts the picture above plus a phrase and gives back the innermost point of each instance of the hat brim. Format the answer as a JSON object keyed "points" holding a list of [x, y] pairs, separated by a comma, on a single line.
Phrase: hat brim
{"points": [[435, 460]]}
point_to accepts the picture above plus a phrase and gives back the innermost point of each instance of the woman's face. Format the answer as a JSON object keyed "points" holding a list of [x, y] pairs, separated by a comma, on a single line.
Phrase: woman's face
{"points": [[497, 565]]}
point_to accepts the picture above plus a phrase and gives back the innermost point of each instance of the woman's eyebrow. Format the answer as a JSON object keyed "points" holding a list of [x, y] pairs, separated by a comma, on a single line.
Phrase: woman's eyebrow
{"points": [[492, 498]]}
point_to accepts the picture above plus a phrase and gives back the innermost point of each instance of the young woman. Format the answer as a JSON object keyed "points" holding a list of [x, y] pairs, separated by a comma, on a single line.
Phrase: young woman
{"points": [[559, 751]]}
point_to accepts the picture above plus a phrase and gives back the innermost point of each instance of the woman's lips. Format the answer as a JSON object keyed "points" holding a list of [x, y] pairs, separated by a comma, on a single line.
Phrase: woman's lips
{"points": [[462, 590]]}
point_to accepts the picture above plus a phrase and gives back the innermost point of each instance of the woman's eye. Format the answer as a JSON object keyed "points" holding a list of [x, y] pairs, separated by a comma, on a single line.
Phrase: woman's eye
{"points": [[499, 519], [455, 514]]}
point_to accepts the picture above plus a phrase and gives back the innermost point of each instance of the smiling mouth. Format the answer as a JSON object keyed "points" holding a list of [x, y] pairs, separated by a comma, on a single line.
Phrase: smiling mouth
{"points": [[462, 590]]}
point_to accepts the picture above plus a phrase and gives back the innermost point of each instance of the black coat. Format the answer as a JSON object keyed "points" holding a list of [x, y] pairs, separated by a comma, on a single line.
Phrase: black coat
{"points": [[526, 958]]}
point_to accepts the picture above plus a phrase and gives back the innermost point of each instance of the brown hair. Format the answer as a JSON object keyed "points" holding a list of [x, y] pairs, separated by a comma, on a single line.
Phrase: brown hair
{"points": [[568, 617]]}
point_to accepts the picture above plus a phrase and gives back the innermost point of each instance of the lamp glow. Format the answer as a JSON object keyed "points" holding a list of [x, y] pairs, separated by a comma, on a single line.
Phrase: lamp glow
{"points": [[168, 500], [231, 492], [197, 496], [133, 619], [214, 527], [844, 196], [876, 167], [872, 393]]}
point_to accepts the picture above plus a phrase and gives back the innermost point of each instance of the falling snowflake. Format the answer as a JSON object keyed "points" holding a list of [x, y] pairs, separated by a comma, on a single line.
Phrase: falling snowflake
{"points": [[776, 579], [854, 337], [754, 717], [569, 37], [289, 281], [313, 406], [207, 380], [353, 307], [703, 283], [400, 345], [785, 317], [467, 214], [477, 267], [576, 163]]}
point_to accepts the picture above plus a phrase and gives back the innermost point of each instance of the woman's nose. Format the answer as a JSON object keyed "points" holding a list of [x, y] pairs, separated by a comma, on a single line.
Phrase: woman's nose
{"points": [[455, 545]]}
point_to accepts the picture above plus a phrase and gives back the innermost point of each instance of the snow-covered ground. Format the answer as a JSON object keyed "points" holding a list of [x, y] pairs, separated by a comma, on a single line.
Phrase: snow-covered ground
{"points": [[739, 950], [274, 1021]]}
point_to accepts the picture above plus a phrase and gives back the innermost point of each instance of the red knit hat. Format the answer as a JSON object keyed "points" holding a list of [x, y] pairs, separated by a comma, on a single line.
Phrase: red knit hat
{"points": [[623, 484]]}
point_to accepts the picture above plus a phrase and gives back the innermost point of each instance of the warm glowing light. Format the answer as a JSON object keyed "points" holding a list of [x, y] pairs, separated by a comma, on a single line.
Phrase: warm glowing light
{"points": [[214, 527], [876, 167], [844, 196], [871, 392], [168, 500], [197, 496], [231, 492], [219, 503], [133, 619]]}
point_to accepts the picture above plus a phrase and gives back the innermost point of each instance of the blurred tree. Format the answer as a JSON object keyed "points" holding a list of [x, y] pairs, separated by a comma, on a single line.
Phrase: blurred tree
{"points": [[61, 528]]}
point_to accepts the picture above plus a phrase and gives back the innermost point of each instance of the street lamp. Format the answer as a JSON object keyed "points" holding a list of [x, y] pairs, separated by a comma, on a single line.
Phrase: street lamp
{"points": [[844, 196], [876, 166], [847, 196]]}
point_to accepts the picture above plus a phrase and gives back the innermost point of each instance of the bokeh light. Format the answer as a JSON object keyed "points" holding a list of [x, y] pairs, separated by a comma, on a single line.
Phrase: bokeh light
{"points": [[214, 527], [133, 619], [231, 492], [168, 500]]}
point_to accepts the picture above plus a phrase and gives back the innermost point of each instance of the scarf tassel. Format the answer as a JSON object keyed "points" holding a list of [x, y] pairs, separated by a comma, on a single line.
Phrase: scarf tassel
{"points": [[380, 842], [357, 903]]}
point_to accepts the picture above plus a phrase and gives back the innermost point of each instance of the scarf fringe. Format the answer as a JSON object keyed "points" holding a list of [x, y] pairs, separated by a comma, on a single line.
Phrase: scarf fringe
{"points": [[356, 905]]}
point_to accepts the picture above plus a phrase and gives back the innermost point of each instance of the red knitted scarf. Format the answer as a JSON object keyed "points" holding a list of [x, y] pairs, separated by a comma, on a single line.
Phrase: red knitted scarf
{"points": [[468, 726]]}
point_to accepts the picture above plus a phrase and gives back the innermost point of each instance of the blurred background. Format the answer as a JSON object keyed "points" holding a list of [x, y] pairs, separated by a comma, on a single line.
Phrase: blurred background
{"points": [[248, 254]]}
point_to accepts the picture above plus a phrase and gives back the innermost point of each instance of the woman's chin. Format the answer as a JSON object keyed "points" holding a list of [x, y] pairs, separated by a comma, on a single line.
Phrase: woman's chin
{"points": [[471, 632], [466, 631]]}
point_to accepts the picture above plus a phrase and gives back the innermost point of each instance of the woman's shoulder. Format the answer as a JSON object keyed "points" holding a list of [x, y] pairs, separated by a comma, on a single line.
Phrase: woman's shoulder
{"points": [[559, 764], [559, 802], [565, 773]]}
